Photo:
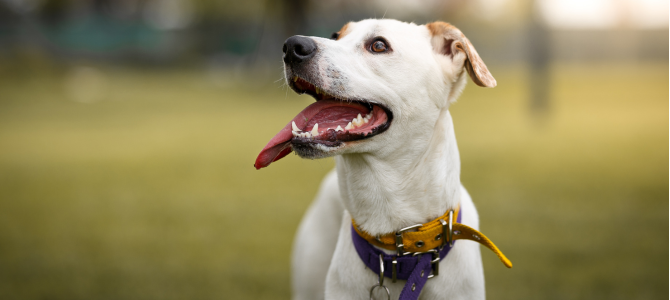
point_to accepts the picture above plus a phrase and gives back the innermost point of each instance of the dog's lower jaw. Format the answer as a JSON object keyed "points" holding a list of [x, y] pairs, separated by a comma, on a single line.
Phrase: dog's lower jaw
{"points": [[316, 150], [410, 186]]}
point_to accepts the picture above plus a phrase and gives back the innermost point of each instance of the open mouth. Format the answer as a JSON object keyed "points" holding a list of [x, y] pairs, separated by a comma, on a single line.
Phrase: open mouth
{"points": [[325, 124]]}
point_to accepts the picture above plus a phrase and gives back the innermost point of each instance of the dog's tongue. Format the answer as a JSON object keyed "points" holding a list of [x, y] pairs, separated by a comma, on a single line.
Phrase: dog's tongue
{"points": [[280, 145]]}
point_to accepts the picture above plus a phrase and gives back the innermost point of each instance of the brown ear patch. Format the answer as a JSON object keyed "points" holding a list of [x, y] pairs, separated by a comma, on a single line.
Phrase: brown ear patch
{"points": [[455, 40], [439, 27], [343, 31]]}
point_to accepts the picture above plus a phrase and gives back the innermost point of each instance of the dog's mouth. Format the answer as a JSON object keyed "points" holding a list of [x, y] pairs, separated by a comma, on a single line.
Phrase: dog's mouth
{"points": [[325, 124]]}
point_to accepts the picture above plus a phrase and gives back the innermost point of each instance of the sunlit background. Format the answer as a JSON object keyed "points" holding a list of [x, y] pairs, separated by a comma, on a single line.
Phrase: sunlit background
{"points": [[128, 131]]}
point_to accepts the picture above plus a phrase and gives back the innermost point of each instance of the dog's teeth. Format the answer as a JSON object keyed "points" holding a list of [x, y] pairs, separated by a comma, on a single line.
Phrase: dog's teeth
{"points": [[358, 121], [339, 128], [295, 133], [348, 127], [317, 90], [295, 128], [315, 130]]}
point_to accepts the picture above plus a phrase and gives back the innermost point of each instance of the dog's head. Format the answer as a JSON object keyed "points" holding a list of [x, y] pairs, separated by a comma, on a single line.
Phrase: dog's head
{"points": [[375, 82]]}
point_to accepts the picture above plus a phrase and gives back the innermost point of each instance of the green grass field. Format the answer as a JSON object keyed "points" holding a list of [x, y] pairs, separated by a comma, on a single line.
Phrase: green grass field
{"points": [[150, 192]]}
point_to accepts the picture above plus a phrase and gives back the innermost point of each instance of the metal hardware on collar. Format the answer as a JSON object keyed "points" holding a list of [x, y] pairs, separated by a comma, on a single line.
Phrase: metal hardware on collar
{"points": [[403, 265], [381, 279], [445, 231], [435, 264], [381, 269], [400, 247], [388, 294], [435, 261], [447, 235], [451, 228], [448, 230]]}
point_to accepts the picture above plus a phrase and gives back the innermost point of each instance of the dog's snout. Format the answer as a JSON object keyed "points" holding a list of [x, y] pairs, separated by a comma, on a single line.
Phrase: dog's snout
{"points": [[298, 49]]}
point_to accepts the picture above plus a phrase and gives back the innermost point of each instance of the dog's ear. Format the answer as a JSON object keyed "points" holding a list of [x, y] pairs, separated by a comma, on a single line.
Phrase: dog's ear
{"points": [[448, 40]]}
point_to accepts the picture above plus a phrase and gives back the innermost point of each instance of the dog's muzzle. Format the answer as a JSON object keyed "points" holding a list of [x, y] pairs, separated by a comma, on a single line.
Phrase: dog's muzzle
{"points": [[333, 121]]}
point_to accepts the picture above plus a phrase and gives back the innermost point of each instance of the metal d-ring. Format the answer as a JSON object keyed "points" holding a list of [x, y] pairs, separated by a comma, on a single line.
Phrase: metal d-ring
{"points": [[388, 294], [381, 279]]}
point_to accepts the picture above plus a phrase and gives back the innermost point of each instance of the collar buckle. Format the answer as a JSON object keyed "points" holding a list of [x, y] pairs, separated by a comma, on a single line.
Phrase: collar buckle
{"points": [[399, 246], [434, 262]]}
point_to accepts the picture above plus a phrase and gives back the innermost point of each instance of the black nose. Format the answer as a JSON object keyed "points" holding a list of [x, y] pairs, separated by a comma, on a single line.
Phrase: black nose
{"points": [[298, 49]]}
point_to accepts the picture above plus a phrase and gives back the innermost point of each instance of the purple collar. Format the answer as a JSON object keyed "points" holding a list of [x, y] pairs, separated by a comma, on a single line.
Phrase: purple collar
{"points": [[416, 269]]}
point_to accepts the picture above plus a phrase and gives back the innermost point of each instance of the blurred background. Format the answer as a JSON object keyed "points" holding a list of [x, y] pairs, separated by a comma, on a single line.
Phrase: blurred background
{"points": [[128, 131]]}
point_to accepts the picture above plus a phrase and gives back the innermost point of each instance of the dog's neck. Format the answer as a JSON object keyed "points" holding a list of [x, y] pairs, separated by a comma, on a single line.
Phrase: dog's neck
{"points": [[406, 187]]}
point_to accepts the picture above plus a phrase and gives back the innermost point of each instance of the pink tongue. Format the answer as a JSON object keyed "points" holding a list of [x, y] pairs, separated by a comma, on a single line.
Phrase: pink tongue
{"points": [[280, 145]]}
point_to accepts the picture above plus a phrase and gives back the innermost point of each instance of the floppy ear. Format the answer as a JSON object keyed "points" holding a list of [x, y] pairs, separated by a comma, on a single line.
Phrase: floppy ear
{"points": [[448, 40]]}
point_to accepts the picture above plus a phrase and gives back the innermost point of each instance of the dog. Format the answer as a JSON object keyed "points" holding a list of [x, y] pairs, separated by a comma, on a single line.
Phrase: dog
{"points": [[383, 91]]}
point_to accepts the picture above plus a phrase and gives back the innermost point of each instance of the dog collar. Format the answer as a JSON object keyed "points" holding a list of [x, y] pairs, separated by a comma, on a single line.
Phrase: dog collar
{"points": [[431, 235], [436, 237]]}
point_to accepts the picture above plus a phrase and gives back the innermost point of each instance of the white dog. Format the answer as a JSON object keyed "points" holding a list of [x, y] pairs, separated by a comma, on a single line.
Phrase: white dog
{"points": [[383, 90]]}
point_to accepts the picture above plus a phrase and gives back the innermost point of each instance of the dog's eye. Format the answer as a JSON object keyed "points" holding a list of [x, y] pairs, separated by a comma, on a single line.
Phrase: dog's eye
{"points": [[335, 36], [378, 46]]}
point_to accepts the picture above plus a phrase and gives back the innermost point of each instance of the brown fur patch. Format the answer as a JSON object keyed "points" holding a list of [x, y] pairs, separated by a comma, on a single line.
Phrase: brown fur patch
{"points": [[343, 31], [474, 64], [440, 28]]}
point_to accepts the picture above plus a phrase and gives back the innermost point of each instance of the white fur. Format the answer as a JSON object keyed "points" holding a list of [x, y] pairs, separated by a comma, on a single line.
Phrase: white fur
{"points": [[408, 175]]}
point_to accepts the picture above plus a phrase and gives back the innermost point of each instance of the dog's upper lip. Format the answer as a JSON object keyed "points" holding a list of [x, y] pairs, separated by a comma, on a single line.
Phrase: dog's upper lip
{"points": [[303, 86]]}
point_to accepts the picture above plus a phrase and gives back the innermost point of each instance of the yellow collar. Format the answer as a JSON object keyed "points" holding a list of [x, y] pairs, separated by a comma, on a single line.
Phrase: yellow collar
{"points": [[431, 235]]}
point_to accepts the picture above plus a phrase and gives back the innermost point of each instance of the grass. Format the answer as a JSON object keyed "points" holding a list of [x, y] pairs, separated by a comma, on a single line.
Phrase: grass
{"points": [[150, 193]]}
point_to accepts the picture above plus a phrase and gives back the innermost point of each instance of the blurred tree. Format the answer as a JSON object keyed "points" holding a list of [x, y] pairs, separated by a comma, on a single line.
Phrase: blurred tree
{"points": [[53, 12], [538, 58], [539, 65], [229, 9]]}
